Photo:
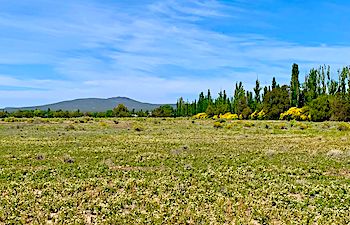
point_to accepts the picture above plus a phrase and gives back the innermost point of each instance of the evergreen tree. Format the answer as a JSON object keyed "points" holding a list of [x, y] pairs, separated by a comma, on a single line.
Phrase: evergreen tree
{"points": [[265, 92], [209, 98], [276, 102], [250, 100], [201, 103], [274, 83], [239, 100], [257, 90]]}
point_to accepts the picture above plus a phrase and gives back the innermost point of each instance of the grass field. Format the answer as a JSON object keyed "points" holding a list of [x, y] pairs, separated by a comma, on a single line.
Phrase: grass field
{"points": [[173, 171]]}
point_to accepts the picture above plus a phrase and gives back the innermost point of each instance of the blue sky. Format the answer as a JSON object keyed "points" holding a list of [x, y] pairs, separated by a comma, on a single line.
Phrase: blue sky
{"points": [[156, 51]]}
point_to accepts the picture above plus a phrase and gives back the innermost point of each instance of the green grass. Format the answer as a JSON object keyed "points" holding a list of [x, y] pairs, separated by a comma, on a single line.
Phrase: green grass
{"points": [[173, 171]]}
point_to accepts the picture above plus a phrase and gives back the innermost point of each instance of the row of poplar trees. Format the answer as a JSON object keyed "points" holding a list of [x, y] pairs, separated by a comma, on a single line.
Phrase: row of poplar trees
{"points": [[319, 89]]}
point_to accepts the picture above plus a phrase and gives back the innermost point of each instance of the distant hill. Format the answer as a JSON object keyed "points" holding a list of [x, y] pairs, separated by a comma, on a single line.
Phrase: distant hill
{"points": [[92, 105]]}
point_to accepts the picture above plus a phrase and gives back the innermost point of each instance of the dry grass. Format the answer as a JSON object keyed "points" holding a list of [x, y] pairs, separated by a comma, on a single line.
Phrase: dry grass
{"points": [[173, 171]]}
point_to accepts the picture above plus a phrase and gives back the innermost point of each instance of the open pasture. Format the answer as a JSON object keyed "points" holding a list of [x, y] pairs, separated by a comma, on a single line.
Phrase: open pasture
{"points": [[173, 171]]}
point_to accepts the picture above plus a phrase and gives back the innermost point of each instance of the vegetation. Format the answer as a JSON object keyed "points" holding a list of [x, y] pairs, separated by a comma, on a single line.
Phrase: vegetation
{"points": [[173, 171], [319, 98], [119, 111]]}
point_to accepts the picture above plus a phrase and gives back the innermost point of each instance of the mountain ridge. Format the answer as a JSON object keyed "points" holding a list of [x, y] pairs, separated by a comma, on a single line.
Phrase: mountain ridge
{"points": [[91, 105]]}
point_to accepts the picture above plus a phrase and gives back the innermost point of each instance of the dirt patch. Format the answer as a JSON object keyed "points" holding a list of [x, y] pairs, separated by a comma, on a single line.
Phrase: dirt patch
{"points": [[136, 168], [297, 197], [339, 173]]}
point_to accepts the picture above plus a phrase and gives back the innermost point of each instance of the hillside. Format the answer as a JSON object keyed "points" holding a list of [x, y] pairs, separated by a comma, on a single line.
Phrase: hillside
{"points": [[92, 105]]}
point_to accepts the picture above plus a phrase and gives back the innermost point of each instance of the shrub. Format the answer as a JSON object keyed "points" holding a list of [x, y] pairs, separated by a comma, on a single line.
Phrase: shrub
{"points": [[276, 102], [340, 108], [293, 123], [261, 115], [254, 115], [138, 127], [230, 125], [343, 126], [246, 113], [222, 121], [103, 124], [294, 113], [282, 126], [218, 125], [70, 127], [248, 124], [84, 119], [326, 125], [200, 116], [302, 126], [11, 120], [229, 116], [320, 109]]}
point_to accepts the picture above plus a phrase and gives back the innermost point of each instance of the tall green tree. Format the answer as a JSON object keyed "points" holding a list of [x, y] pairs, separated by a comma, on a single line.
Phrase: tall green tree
{"points": [[311, 86], [201, 103], [121, 111], [274, 83], [257, 98], [276, 102], [342, 81], [163, 111], [295, 86], [239, 99]]}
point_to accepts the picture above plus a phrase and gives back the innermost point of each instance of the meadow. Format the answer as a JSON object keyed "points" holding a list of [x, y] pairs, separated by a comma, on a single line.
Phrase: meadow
{"points": [[173, 171]]}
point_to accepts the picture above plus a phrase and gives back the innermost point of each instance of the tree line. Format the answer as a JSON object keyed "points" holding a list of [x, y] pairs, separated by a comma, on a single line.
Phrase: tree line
{"points": [[119, 111], [318, 98]]}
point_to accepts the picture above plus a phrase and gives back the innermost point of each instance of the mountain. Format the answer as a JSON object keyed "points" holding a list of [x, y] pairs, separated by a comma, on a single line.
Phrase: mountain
{"points": [[92, 105]]}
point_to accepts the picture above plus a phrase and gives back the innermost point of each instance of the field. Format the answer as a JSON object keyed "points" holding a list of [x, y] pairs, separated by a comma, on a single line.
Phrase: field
{"points": [[173, 171]]}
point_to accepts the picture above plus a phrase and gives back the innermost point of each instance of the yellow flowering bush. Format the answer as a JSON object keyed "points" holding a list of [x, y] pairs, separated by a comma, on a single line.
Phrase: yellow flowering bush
{"points": [[254, 115], [229, 116], [200, 116], [294, 113], [261, 115]]}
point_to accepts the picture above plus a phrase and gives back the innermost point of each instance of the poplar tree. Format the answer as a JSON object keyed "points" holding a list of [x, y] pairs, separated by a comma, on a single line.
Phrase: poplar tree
{"points": [[295, 86], [257, 90], [274, 83]]}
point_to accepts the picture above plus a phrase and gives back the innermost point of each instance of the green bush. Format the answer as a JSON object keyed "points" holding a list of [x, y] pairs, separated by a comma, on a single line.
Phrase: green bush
{"points": [[302, 126], [320, 109], [326, 125], [11, 120], [70, 127], [248, 124], [221, 121], [138, 127], [282, 126], [343, 126], [218, 125]]}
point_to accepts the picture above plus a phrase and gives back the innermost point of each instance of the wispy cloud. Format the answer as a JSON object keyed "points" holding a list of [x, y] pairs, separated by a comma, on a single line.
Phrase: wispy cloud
{"points": [[154, 51]]}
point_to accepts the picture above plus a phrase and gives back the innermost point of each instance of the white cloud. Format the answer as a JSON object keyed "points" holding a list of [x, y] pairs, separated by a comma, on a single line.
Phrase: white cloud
{"points": [[105, 50]]}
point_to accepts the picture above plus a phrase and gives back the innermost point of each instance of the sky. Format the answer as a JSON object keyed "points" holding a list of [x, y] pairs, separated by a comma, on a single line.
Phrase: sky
{"points": [[156, 51]]}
